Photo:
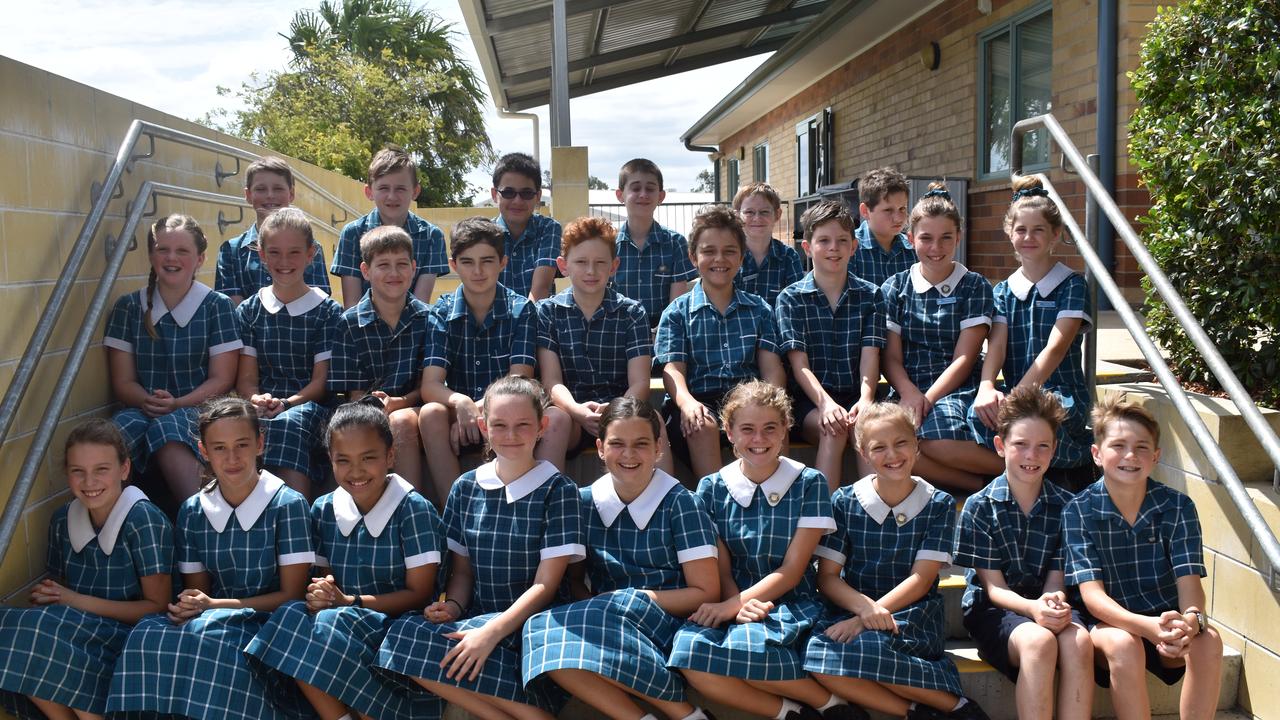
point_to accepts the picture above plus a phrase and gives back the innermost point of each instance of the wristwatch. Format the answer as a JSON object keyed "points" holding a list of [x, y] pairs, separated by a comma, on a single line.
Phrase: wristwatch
{"points": [[285, 404], [1202, 622], [357, 600]]}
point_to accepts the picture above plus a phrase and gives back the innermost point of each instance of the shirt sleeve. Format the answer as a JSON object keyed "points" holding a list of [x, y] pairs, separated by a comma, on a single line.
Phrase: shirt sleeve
{"points": [[893, 314], [1000, 304], [562, 523], [226, 278], [454, 512], [421, 535], [548, 244], [122, 325], [1186, 553], [815, 508], [315, 274], [1083, 563], [1074, 301], [682, 268], [768, 338], [979, 304], [693, 535], [436, 259], [436, 352], [346, 259], [794, 269], [974, 546], [873, 320], [940, 538], [186, 554], [788, 316], [224, 333], [834, 545], [547, 339], [524, 333], [325, 331], [149, 537], [244, 324], [637, 336], [672, 340], [293, 531]]}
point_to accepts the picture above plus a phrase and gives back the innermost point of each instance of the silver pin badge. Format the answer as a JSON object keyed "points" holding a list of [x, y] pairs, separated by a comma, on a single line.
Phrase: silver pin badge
{"points": [[902, 519], [774, 498], [946, 289]]}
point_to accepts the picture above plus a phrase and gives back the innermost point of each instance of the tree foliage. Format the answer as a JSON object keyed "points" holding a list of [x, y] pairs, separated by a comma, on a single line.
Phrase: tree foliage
{"points": [[1206, 140], [704, 181]]}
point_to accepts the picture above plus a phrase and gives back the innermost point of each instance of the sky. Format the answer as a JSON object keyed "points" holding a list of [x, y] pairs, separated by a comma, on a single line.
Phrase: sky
{"points": [[173, 54]]}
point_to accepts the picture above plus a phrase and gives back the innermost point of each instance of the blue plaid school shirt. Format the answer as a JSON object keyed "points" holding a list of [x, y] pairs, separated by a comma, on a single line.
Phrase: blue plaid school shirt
{"points": [[288, 339], [647, 274], [994, 534], [594, 351], [872, 263], [1138, 564], [832, 339], [108, 562], [781, 268], [538, 246], [240, 270], [1030, 310], [475, 355], [428, 248], [719, 351], [930, 318], [368, 355]]}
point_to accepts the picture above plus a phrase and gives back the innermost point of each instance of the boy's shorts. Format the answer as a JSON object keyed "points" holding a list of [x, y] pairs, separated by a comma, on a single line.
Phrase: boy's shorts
{"points": [[1167, 675], [991, 627]]}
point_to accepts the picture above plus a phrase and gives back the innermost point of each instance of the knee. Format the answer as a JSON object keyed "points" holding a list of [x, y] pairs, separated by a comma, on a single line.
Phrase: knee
{"points": [[1075, 645], [558, 422], [832, 443], [404, 424], [929, 447], [433, 417], [1038, 645], [1207, 646], [1123, 651]]}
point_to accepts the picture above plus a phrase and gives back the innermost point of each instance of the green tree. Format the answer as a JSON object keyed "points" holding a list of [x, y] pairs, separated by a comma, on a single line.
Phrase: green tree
{"points": [[704, 182], [595, 183]]}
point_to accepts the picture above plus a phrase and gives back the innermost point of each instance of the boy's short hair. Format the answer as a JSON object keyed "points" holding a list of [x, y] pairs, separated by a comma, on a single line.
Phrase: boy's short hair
{"points": [[1114, 408], [474, 231], [588, 228], [825, 212], [716, 217], [391, 159], [764, 190], [385, 239], [520, 164], [875, 185], [269, 164], [1029, 402], [635, 166]]}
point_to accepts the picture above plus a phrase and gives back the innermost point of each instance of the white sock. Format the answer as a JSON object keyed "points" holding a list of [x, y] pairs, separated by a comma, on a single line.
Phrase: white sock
{"points": [[649, 716], [834, 701], [963, 701], [697, 714], [346, 716], [788, 706]]}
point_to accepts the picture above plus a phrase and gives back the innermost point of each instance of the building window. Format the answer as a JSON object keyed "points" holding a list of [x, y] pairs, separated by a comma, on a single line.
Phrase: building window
{"points": [[733, 177], [1015, 60], [813, 153], [760, 163]]}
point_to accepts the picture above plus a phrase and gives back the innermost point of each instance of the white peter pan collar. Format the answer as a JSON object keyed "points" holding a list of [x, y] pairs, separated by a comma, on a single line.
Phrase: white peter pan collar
{"points": [[903, 512], [301, 306], [1021, 286], [348, 515], [743, 489], [610, 506], [487, 478], [946, 287], [80, 526], [186, 309], [219, 511]]}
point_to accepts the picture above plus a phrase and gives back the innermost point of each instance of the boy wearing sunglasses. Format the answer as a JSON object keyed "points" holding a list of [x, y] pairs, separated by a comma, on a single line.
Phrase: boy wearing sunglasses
{"points": [[654, 266], [532, 240]]}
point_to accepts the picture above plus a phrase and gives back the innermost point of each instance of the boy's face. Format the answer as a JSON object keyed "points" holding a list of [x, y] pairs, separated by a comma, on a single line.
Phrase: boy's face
{"points": [[268, 192], [718, 257], [393, 194], [1127, 453], [516, 210], [389, 273], [642, 194], [1027, 449], [830, 248], [589, 265], [758, 217], [888, 216], [478, 267]]}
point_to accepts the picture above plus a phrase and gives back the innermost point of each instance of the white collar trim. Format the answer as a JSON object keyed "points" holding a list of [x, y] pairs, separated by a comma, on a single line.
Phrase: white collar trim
{"points": [[309, 301], [219, 511], [186, 309], [487, 478], [1021, 286], [743, 489], [610, 506], [80, 525], [903, 512], [946, 287], [349, 516]]}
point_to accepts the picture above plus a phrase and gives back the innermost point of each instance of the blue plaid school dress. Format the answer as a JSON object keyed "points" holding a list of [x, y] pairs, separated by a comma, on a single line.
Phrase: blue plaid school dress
{"points": [[475, 355], [719, 350], [1030, 311], [873, 264], [646, 274], [240, 270], [369, 355], [929, 318], [877, 545], [64, 655], [334, 650], [505, 531], [197, 669], [594, 351], [289, 340], [428, 248], [832, 339], [201, 326], [781, 268], [620, 633], [538, 246], [756, 524]]}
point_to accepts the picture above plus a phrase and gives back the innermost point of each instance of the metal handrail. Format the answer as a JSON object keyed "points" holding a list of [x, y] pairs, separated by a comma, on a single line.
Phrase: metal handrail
{"points": [[1243, 402]]}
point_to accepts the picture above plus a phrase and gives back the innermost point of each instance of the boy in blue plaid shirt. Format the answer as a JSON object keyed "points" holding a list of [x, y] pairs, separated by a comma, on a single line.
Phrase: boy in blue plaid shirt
{"points": [[654, 265], [393, 186], [712, 338], [532, 240], [883, 249], [1134, 553], [478, 334], [769, 265], [832, 329]]}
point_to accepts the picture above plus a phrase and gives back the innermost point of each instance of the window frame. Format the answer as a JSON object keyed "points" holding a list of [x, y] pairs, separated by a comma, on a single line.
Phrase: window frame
{"points": [[1009, 26], [733, 177], [759, 159], [820, 160]]}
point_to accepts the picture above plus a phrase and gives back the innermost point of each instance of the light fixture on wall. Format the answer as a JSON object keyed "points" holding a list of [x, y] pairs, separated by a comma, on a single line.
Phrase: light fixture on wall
{"points": [[742, 152], [931, 56], [984, 7]]}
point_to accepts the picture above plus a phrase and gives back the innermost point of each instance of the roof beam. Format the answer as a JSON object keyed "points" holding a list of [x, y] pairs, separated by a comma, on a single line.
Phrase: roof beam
{"points": [[525, 18], [689, 26]]}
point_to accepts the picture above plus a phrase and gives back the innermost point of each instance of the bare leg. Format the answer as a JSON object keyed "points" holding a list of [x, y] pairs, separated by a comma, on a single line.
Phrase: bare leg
{"points": [[805, 690], [326, 706], [945, 476], [734, 693], [1126, 663], [554, 444], [830, 456], [666, 460], [1075, 674], [1034, 651], [611, 699], [442, 461], [704, 450], [294, 479], [964, 455], [52, 710], [1200, 686], [866, 693], [180, 469], [936, 699], [477, 705], [404, 430]]}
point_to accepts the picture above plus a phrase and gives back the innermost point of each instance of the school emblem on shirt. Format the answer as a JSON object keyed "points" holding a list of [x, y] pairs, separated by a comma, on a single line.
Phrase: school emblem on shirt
{"points": [[946, 289], [662, 268], [774, 498], [901, 519]]}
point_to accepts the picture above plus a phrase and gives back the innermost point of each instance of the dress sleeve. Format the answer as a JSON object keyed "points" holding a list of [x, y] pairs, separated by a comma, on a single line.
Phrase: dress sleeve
{"points": [[834, 545], [940, 538], [224, 332], [422, 535], [149, 537], [294, 540], [815, 508], [693, 535], [562, 523]]}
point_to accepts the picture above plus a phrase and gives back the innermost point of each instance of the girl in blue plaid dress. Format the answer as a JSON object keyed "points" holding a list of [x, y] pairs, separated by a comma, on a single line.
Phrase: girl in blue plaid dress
{"points": [[938, 313], [170, 347], [243, 548], [651, 553], [380, 542], [1041, 314], [512, 526], [770, 512], [880, 642], [110, 551], [288, 330]]}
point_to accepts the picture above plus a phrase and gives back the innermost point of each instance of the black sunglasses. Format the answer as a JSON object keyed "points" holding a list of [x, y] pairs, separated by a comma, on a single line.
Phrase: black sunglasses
{"points": [[524, 193]]}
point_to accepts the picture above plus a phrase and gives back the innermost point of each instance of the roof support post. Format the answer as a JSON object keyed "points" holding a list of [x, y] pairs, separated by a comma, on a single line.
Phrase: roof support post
{"points": [[560, 135]]}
